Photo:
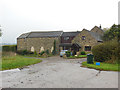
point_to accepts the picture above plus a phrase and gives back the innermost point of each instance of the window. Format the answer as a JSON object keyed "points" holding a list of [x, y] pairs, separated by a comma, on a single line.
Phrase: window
{"points": [[83, 37], [87, 48], [66, 38]]}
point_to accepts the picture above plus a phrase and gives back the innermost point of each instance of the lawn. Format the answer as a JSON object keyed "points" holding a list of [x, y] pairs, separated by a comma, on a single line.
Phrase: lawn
{"points": [[11, 62], [80, 56], [103, 66]]}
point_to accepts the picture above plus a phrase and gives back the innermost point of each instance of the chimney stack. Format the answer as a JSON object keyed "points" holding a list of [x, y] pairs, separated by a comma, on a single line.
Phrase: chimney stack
{"points": [[100, 26]]}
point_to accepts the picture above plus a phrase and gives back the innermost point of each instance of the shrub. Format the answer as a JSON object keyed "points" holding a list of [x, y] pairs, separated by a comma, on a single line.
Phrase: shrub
{"points": [[83, 53], [24, 52], [8, 48], [35, 53], [54, 50], [68, 53], [106, 51], [42, 52], [47, 51]]}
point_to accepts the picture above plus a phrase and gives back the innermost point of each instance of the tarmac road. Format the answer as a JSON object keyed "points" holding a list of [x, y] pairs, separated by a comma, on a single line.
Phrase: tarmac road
{"points": [[56, 72]]}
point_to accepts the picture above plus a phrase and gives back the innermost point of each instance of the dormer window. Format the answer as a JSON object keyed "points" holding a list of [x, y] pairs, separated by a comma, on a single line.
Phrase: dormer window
{"points": [[83, 37], [66, 38]]}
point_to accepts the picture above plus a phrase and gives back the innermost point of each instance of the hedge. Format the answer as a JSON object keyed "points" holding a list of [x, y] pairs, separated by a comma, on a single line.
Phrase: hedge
{"points": [[7, 48], [24, 52], [106, 51]]}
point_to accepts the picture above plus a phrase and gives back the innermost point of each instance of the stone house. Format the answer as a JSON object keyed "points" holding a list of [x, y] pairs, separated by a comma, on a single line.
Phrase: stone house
{"points": [[87, 39], [42, 41]]}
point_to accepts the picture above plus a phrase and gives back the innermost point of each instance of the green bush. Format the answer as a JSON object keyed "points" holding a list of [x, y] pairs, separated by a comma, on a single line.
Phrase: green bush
{"points": [[68, 53], [106, 51], [47, 51], [24, 52], [83, 53], [35, 53], [8, 48], [42, 52], [54, 50]]}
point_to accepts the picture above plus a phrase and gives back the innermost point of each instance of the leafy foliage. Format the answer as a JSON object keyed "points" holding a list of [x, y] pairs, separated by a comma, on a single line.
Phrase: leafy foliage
{"points": [[83, 53], [24, 52], [79, 56], [42, 52], [112, 33], [68, 53], [0, 33], [35, 53], [47, 52], [106, 51], [54, 50]]}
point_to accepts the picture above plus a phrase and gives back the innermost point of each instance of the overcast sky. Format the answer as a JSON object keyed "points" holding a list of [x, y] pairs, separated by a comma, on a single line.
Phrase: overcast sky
{"points": [[21, 16]]}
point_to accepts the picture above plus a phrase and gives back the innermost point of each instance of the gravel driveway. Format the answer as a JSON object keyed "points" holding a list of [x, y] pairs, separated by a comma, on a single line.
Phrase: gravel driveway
{"points": [[56, 72]]}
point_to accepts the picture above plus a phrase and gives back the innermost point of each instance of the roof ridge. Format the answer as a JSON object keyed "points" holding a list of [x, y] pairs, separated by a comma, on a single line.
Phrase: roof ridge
{"points": [[97, 27], [28, 34], [44, 31]]}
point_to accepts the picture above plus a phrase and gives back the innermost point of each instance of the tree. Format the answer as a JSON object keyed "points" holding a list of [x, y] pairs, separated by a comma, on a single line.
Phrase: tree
{"points": [[112, 33], [105, 29], [0, 31], [54, 50]]}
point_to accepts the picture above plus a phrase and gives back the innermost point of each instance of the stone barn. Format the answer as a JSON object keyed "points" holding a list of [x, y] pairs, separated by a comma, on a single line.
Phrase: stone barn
{"points": [[39, 41], [42, 41]]}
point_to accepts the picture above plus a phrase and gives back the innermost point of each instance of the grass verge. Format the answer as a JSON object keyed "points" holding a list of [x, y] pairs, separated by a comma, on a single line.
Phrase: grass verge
{"points": [[103, 66], [11, 62], [80, 56]]}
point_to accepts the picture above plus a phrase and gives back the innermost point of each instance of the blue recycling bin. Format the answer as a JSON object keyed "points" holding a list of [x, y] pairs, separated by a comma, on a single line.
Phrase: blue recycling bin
{"points": [[98, 63]]}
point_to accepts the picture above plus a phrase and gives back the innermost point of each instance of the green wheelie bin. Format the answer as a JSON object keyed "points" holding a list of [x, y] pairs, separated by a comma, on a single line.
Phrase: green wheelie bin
{"points": [[89, 58]]}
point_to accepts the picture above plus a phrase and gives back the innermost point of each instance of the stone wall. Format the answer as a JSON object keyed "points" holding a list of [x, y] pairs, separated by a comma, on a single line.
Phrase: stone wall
{"points": [[21, 44], [38, 44], [89, 40], [42, 44]]}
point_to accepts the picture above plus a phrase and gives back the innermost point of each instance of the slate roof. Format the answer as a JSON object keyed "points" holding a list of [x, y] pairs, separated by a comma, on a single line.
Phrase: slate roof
{"points": [[96, 36], [45, 34], [57, 34], [97, 27], [24, 35], [70, 33], [41, 34]]}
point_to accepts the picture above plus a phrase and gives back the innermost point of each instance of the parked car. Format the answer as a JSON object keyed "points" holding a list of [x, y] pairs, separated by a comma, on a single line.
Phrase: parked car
{"points": [[62, 52]]}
